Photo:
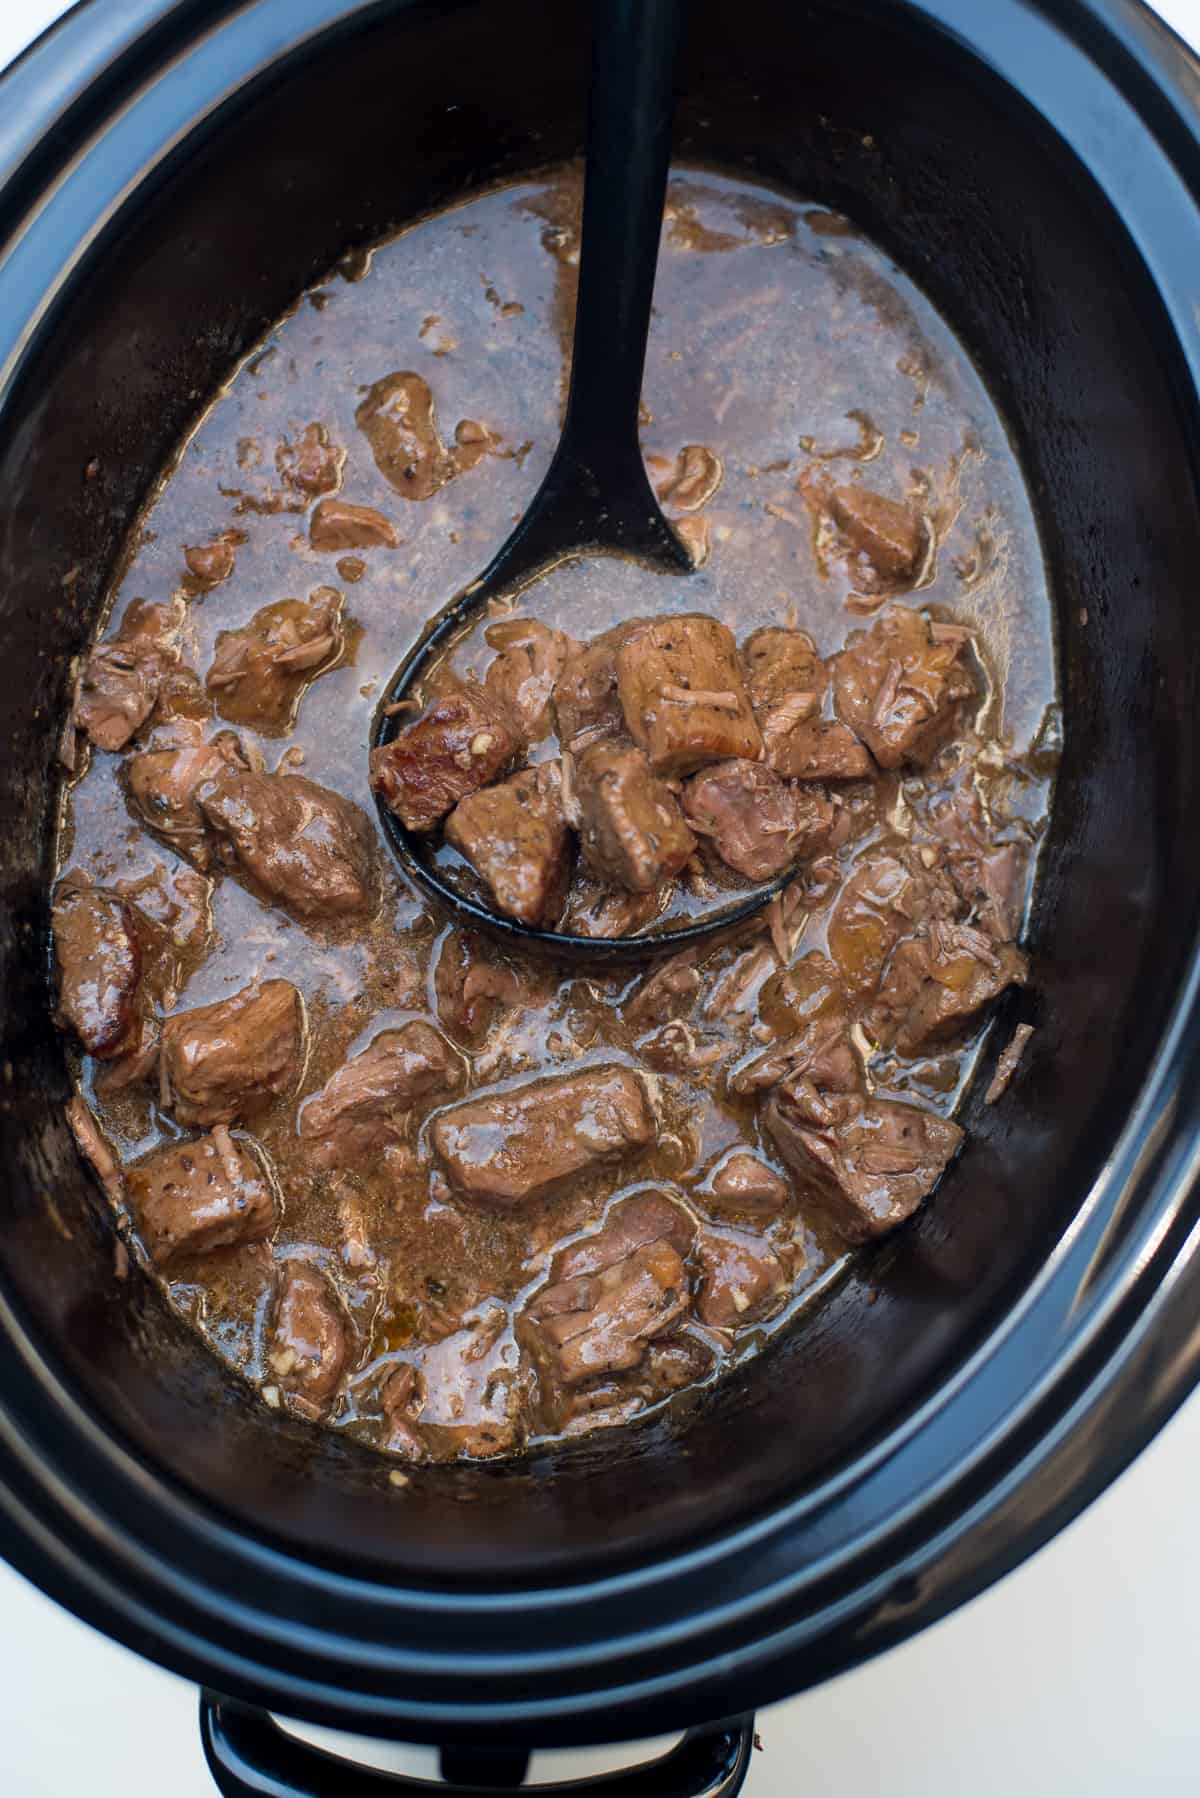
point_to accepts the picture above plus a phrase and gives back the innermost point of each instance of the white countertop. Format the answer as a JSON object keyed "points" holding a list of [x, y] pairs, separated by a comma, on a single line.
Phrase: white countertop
{"points": [[1075, 1677]]}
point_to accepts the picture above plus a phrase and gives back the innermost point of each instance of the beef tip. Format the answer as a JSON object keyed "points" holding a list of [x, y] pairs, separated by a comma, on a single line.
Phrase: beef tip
{"points": [[162, 786], [631, 830], [674, 1048], [515, 837], [780, 663], [259, 673], [192, 1198], [174, 905], [820, 1059], [307, 1337], [366, 1106], [469, 1392], [120, 680], [887, 897], [294, 843], [517, 1145], [586, 701], [787, 681], [468, 1011], [524, 673], [398, 420], [602, 1323], [337, 526], [886, 542], [462, 740], [631, 1224], [596, 910], [740, 1183], [742, 1279], [313, 464], [899, 688], [683, 696], [224, 1061], [693, 480], [871, 1165], [989, 874], [756, 823], [669, 992], [937, 983], [99, 965], [671, 1363], [210, 564]]}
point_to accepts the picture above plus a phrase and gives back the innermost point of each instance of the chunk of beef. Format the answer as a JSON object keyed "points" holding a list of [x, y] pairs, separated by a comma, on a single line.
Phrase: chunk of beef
{"points": [[683, 696], [225, 1061], [675, 1048], [307, 1336], [602, 1323], [669, 992], [741, 1184], [398, 420], [463, 739], [586, 702], [515, 837], [756, 823], [742, 1281], [900, 688], [163, 785], [120, 680], [337, 526], [631, 830], [210, 564], [313, 464], [174, 908], [521, 1144], [779, 664], [99, 965], [990, 872], [937, 983], [820, 1059], [366, 1106], [294, 843], [871, 1165], [888, 896], [192, 1198], [525, 672], [693, 480], [596, 910], [629, 1225], [259, 673], [787, 680], [469, 1394], [885, 540]]}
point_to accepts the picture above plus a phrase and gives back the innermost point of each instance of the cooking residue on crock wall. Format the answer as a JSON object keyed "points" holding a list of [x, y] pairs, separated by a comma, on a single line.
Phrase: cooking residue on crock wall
{"points": [[409, 1185]]}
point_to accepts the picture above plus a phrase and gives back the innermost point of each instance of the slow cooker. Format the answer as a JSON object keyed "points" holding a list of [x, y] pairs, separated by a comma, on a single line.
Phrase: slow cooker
{"points": [[172, 174]]}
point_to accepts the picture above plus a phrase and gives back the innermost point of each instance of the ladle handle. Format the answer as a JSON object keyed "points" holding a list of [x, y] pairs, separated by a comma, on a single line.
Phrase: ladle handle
{"points": [[635, 47]]}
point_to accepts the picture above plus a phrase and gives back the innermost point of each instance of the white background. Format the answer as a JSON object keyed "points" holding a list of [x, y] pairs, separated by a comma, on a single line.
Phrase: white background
{"points": [[1075, 1676]]}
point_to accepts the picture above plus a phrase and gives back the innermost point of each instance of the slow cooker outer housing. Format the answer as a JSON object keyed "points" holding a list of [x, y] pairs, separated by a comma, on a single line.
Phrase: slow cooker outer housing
{"points": [[171, 176]]}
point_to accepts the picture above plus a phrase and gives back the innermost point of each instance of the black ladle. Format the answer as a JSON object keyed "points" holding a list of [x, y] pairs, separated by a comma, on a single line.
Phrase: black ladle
{"points": [[596, 496]]}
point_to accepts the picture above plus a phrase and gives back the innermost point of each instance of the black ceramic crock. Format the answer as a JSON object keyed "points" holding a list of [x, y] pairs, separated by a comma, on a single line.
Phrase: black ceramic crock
{"points": [[171, 176]]}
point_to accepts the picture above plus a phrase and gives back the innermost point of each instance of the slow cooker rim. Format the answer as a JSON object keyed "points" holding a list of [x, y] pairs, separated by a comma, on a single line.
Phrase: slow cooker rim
{"points": [[1112, 1292]]}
